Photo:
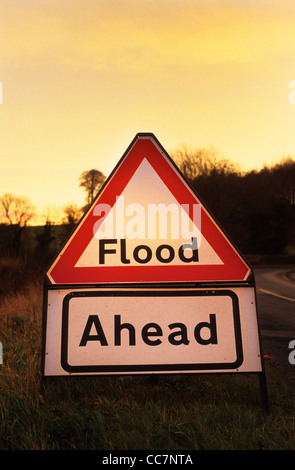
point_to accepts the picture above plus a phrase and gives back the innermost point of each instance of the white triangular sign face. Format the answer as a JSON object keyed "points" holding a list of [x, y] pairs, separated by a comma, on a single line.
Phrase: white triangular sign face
{"points": [[151, 221], [147, 225]]}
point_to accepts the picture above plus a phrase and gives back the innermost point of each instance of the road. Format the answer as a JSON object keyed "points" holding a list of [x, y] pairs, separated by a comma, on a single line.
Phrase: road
{"points": [[275, 288]]}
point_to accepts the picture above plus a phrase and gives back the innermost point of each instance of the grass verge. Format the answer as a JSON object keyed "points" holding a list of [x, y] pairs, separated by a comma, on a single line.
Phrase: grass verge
{"points": [[198, 412]]}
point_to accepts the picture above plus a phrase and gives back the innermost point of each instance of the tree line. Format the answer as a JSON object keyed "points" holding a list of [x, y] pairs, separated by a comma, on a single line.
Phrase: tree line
{"points": [[256, 208], [17, 212]]}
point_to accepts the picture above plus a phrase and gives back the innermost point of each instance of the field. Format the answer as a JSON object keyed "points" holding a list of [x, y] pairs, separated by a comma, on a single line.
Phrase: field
{"points": [[196, 412]]}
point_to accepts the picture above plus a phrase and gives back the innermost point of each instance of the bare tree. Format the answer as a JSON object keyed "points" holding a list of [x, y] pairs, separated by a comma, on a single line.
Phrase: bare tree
{"points": [[72, 214], [91, 181], [202, 161], [52, 215], [283, 175], [16, 210]]}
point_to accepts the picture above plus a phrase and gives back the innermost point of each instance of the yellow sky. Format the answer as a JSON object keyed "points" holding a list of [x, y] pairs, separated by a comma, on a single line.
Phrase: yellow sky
{"points": [[81, 77]]}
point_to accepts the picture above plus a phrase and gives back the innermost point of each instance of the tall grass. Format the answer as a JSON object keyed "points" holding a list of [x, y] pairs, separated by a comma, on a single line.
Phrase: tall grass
{"points": [[128, 413]]}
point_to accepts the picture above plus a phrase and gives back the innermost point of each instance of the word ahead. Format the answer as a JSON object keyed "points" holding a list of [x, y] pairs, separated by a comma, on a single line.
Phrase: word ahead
{"points": [[150, 332]]}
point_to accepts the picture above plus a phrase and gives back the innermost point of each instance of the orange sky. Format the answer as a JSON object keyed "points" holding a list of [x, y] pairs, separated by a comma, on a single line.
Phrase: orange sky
{"points": [[81, 77]]}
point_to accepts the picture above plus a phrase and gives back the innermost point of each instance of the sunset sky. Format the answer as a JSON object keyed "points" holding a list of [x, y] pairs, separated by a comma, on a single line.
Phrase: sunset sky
{"points": [[81, 78]]}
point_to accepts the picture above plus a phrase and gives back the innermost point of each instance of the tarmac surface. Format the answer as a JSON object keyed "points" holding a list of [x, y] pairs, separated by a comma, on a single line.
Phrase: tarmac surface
{"points": [[275, 291]]}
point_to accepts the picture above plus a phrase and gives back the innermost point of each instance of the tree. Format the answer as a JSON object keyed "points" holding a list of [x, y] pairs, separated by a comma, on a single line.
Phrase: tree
{"points": [[283, 176], [43, 241], [91, 181], [202, 161], [15, 212], [72, 214], [256, 209]]}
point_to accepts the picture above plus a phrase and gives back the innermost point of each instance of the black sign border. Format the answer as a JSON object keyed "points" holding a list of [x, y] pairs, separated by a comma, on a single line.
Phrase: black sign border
{"points": [[150, 368]]}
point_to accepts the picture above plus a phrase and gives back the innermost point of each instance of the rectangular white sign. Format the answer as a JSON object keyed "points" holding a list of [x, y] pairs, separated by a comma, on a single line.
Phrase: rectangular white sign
{"points": [[133, 331]]}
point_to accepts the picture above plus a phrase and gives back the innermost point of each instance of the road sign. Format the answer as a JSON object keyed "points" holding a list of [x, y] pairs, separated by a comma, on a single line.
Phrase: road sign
{"points": [[149, 283], [147, 225], [138, 331]]}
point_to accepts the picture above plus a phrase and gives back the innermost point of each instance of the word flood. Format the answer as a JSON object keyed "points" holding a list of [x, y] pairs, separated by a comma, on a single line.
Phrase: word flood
{"points": [[142, 254]]}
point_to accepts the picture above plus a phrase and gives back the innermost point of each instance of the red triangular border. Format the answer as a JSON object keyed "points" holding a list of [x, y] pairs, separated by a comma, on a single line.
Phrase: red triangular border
{"points": [[63, 270]]}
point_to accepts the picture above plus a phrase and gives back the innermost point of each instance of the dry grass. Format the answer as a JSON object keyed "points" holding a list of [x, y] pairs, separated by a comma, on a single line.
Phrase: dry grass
{"points": [[27, 303]]}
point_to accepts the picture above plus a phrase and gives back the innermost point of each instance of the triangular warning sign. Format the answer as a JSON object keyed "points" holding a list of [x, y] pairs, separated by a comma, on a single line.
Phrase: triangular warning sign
{"points": [[147, 225]]}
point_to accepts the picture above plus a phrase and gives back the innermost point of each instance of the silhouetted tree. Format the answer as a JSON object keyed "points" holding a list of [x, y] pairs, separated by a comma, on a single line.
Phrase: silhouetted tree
{"points": [[43, 240], [283, 178], [202, 161], [91, 181], [72, 214], [15, 212]]}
